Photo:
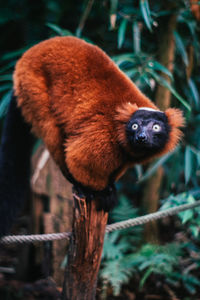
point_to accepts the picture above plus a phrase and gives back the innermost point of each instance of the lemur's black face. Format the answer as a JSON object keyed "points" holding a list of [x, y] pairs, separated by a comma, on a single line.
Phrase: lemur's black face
{"points": [[147, 131]]}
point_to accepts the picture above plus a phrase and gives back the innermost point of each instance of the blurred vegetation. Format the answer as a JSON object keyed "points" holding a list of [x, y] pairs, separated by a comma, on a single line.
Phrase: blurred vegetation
{"points": [[130, 32]]}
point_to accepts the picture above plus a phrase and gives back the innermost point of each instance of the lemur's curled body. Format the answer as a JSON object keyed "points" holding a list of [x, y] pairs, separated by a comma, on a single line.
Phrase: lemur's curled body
{"points": [[92, 118]]}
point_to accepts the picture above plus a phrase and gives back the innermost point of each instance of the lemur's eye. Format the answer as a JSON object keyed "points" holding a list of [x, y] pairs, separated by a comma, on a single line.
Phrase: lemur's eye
{"points": [[156, 127], [135, 126]]}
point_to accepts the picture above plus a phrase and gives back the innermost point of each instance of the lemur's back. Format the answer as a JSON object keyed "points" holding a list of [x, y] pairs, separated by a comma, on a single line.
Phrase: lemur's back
{"points": [[81, 72]]}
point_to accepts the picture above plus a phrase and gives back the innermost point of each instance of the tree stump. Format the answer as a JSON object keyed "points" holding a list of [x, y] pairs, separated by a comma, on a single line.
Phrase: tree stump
{"points": [[85, 250]]}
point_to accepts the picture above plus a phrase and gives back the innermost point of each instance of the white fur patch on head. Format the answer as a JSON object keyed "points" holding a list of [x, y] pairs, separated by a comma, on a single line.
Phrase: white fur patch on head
{"points": [[149, 109]]}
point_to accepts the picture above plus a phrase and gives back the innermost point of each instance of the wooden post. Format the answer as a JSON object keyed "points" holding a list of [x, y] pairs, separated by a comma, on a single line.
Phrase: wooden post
{"points": [[85, 250]]}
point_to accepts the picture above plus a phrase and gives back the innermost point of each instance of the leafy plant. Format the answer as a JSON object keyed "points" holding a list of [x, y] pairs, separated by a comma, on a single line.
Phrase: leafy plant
{"points": [[190, 217], [116, 268], [124, 256], [7, 61], [155, 259]]}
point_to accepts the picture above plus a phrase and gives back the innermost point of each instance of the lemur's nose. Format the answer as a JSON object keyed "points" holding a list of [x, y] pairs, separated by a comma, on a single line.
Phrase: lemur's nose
{"points": [[141, 137]]}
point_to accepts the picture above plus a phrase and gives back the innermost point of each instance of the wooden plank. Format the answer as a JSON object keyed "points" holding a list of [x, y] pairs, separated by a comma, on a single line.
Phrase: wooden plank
{"points": [[52, 212]]}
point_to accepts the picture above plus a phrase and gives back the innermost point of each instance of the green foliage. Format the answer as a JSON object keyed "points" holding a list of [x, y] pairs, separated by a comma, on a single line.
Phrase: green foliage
{"points": [[7, 62], [188, 163], [153, 167], [181, 48], [191, 217], [58, 30], [121, 32], [115, 272], [4, 103], [145, 70], [125, 256], [116, 265], [146, 14], [155, 259], [189, 281]]}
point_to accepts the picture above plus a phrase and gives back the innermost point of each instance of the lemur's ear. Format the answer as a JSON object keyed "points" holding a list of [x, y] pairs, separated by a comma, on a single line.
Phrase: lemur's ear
{"points": [[176, 121], [125, 112], [123, 115]]}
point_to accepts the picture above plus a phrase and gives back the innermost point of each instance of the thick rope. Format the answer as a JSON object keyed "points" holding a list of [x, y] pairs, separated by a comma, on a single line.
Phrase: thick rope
{"points": [[34, 238], [151, 217], [109, 228]]}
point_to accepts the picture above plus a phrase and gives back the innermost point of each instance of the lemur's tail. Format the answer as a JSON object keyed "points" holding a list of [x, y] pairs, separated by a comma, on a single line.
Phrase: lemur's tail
{"points": [[15, 152]]}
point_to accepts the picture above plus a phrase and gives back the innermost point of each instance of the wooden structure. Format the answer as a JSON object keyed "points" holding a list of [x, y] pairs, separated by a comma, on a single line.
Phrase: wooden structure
{"points": [[52, 211]]}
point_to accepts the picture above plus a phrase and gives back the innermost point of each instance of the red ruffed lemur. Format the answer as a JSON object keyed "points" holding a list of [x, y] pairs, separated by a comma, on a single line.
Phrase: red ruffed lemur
{"points": [[92, 118]]}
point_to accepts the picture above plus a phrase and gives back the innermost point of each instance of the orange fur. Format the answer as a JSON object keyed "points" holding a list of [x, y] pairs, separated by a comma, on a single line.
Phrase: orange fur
{"points": [[195, 8], [78, 101]]}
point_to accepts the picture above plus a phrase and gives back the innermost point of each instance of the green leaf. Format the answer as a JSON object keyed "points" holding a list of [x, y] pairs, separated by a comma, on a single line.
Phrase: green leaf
{"points": [[37, 144], [188, 164], [55, 28], [194, 230], [179, 97], [190, 199], [64, 262], [122, 32], [190, 282], [144, 7], [146, 275], [181, 48], [186, 215], [194, 92], [166, 84], [145, 78], [150, 171], [136, 38], [127, 57], [7, 67], [138, 169], [131, 73], [198, 158], [116, 272], [157, 66], [14, 54], [60, 31], [112, 249], [4, 103], [124, 210], [7, 77], [5, 87]]}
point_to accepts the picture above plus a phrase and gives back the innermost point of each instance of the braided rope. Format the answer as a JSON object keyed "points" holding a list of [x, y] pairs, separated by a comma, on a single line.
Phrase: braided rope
{"points": [[150, 217], [109, 228], [34, 238]]}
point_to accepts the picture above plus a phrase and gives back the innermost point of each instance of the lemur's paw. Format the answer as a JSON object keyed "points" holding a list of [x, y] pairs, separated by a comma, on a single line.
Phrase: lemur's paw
{"points": [[106, 198]]}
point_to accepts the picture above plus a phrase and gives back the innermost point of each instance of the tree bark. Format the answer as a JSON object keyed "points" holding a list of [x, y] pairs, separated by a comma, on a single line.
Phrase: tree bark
{"points": [[166, 58], [150, 202], [85, 250], [151, 194]]}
